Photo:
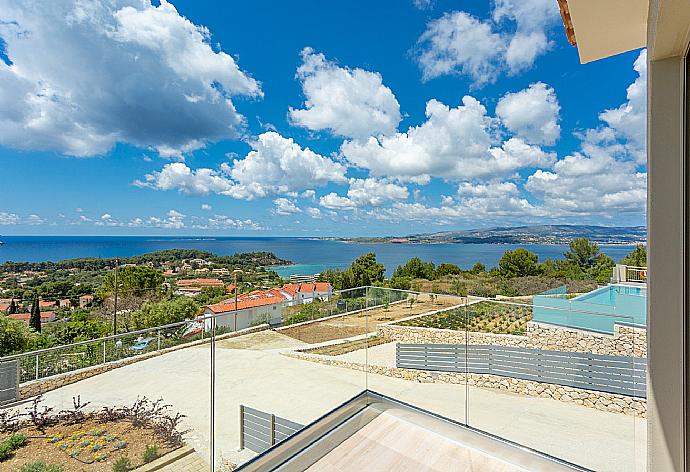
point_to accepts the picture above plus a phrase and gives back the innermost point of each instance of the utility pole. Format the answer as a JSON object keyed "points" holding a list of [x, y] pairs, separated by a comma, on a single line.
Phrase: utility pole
{"points": [[234, 273], [117, 263]]}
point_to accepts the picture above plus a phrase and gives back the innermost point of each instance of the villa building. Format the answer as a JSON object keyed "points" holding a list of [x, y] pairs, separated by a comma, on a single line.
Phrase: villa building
{"points": [[266, 305], [46, 317]]}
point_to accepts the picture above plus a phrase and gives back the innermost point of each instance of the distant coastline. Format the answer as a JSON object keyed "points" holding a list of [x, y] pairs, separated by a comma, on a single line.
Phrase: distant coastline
{"points": [[554, 235]]}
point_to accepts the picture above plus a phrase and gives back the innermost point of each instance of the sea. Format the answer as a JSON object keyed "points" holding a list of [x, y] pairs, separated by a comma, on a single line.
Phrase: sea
{"points": [[310, 256]]}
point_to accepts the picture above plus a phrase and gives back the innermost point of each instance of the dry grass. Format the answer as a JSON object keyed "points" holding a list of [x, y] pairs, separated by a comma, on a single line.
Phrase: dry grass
{"points": [[347, 326]]}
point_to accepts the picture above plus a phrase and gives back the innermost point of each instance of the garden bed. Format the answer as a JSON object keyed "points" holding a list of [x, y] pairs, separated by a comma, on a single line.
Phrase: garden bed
{"points": [[348, 346], [482, 317], [96, 440]]}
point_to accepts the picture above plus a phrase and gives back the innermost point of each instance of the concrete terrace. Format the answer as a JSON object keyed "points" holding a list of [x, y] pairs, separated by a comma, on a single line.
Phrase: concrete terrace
{"points": [[250, 370]]}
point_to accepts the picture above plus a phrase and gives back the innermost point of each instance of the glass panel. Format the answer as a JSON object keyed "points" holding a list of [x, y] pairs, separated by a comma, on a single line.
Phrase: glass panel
{"points": [[416, 353], [556, 377], [109, 400], [272, 380]]}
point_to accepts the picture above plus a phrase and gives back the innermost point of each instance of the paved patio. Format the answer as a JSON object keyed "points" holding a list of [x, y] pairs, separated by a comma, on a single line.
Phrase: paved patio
{"points": [[302, 391]]}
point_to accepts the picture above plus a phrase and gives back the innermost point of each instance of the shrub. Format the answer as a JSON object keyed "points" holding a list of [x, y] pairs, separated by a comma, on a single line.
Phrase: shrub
{"points": [[123, 464], [11, 444], [151, 453], [40, 466]]}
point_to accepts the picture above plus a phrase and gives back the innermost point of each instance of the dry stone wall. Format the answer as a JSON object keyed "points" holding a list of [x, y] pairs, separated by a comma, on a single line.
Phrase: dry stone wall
{"points": [[587, 398], [625, 341]]}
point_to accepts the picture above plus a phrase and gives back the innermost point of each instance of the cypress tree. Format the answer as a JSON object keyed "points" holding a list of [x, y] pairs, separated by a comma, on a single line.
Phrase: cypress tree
{"points": [[12, 308], [35, 319]]}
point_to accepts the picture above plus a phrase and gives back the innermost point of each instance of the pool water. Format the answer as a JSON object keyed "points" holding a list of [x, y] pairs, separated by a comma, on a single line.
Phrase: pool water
{"points": [[599, 310], [610, 294]]}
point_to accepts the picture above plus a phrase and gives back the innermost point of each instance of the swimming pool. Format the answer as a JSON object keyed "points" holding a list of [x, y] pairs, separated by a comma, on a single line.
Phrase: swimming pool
{"points": [[598, 310]]}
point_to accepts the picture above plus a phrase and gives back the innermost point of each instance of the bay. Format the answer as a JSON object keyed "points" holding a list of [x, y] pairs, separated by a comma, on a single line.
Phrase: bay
{"points": [[310, 255]]}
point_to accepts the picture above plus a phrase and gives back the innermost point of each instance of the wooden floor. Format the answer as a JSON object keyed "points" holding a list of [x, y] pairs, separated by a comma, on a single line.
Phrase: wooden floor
{"points": [[389, 443]]}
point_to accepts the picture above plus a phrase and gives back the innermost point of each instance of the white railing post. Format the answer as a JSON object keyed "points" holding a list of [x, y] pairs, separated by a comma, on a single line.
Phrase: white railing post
{"points": [[159, 340], [105, 357], [36, 366]]}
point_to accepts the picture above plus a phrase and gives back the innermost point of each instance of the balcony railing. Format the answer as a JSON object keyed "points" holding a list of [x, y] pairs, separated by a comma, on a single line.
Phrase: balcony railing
{"points": [[624, 273], [484, 364]]}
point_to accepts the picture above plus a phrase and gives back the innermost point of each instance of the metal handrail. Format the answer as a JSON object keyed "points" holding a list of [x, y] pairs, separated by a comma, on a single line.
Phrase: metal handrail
{"points": [[214, 316]]}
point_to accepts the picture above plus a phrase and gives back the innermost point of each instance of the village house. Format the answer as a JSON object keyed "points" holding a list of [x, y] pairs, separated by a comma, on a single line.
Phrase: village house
{"points": [[192, 287], [85, 300], [265, 306], [47, 303], [46, 317]]}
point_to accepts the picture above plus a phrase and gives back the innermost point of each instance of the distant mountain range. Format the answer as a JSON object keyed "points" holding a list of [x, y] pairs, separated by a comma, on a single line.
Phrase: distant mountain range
{"points": [[537, 234]]}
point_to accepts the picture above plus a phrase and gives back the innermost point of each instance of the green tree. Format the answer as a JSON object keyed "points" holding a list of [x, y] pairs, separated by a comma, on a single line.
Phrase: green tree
{"points": [[35, 319], [365, 270], [134, 280], [637, 258], [15, 336], [12, 309], [417, 269], [583, 253], [165, 312], [447, 269], [601, 270], [519, 263], [80, 327], [211, 295]]}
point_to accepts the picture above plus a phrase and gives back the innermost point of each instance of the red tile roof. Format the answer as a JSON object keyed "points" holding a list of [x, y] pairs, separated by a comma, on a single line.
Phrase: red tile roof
{"points": [[200, 283], [4, 306], [26, 316], [249, 300], [323, 287]]}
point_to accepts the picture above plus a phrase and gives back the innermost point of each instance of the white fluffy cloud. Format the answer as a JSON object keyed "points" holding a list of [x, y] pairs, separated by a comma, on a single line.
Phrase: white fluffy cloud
{"points": [[532, 19], [375, 192], [459, 43], [581, 184], [333, 201], [85, 75], [276, 165], [454, 143], [532, 114], [285, 206], [7, 218], [486, 201], [365, 192], [606, 176], [629, 121], [348, 102], [279, 165]]}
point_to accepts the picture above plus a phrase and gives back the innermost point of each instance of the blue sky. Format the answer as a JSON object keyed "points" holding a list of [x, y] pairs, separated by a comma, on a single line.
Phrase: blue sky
{"points": [[311, 118]]}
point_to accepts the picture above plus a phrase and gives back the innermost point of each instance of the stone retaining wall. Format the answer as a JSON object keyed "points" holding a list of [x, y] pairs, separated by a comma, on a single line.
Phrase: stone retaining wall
{"points": [[587, 398], [41, 386], [625, 341]]}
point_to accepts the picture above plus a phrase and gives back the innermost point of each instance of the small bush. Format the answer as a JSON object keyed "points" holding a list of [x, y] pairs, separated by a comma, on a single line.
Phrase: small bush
{"points": [[11, 444], [151, 453], [40, 466], [123, 464]]}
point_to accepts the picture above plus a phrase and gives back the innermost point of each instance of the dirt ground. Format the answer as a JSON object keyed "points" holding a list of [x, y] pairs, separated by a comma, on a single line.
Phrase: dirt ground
{"points": [[40, 448], [259, 341], [346, 326]]}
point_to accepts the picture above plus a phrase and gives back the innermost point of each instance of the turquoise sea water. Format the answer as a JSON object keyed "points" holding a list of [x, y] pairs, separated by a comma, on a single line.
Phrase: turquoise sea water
{"points": [[314, 255]]}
